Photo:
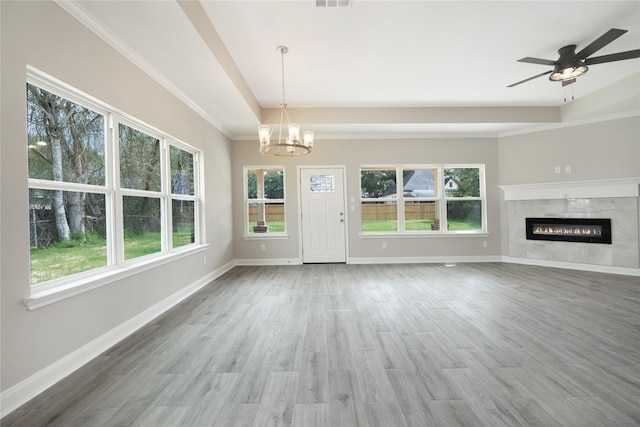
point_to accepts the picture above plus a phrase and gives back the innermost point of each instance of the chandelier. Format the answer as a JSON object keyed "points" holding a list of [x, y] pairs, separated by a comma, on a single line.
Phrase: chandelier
{"points": [[291, 145]]}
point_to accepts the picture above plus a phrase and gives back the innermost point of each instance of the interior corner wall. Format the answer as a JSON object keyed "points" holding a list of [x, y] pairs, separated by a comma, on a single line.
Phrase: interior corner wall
{"points": [[353, 154], [599, 150], [43, 35]]}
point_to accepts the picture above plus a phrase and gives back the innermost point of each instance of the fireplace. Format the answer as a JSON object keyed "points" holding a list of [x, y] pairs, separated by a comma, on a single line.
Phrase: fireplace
{"points": [[585, 230]]}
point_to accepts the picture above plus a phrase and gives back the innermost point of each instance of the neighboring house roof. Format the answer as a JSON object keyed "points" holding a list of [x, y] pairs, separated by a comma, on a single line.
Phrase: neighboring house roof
{"points": [[417, 183]]}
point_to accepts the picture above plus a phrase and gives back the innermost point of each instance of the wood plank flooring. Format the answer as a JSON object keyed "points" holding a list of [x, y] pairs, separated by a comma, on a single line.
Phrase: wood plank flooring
{"points": [[371, 345]]}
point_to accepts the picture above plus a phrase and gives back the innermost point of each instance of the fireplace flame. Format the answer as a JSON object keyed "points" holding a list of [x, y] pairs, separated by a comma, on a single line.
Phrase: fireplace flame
{"points": [[563, 230]]}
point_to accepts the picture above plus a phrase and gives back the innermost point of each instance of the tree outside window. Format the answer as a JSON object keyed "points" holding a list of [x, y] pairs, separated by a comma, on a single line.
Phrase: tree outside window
{"points": [[72, 192], [264, 200]]}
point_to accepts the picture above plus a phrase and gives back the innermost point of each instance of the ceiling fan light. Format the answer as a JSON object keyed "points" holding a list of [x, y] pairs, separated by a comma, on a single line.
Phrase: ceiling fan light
{"points": [[568, 73]]}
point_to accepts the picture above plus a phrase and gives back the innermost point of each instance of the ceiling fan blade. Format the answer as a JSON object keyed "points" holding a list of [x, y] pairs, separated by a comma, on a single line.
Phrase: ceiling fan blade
{"points": [[568, 82], [537, 61], [530, 78], [630, 54], [599, 43]]}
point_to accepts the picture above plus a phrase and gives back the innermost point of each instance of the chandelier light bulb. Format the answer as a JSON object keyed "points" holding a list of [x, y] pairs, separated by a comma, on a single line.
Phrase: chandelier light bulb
{"points": [[263, 134], [294, 132], [308, 138]]}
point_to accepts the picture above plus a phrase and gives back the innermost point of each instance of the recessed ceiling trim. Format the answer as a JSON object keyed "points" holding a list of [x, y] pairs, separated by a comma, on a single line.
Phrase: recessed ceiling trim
{"points": [[86, 19], [568, 124], [333, 3], [421, 115]]}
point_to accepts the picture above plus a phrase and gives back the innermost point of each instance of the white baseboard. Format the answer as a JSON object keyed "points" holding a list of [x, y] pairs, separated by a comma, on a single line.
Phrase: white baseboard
{"points": [[269, 261], [423, 260], [19, 394], [574, 266]]}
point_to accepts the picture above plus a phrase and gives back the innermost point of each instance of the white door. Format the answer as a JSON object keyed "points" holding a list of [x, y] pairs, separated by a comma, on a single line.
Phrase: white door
{"points": [[323, 215]]}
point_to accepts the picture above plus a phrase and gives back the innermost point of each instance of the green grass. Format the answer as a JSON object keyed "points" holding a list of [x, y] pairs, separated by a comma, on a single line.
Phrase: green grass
{"points": [[78, 255], [274, 226], [183, 236], [138, 245], [66, 258], [391, 226]]}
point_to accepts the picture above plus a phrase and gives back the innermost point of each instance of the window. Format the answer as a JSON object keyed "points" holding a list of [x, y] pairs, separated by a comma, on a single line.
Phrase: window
{"points": [[425, 198], [264, 200], [98, 198]]}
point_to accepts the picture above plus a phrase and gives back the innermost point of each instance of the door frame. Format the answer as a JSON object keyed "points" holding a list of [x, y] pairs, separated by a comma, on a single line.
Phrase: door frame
{"points": [[343, 168]]}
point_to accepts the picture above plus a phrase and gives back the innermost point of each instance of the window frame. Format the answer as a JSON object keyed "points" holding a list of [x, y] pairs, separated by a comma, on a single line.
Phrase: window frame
{"points": [[440, 197], [117, 267], [246, 234]]}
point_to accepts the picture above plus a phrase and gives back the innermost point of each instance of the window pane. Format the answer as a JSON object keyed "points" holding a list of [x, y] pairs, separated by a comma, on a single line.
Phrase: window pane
{"points": [[141, 226], [65, 140], [376, 183], [379, 216], [266, 217], [322, 183], [464, 215], [67, 231], [419, 182], [421, 215], [462, 182], [183, 222], [181, 171], [265, 184], [139, 160]]}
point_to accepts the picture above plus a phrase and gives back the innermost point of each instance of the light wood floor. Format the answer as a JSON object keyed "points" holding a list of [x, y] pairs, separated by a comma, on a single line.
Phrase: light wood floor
{"points": [[371, 345]]}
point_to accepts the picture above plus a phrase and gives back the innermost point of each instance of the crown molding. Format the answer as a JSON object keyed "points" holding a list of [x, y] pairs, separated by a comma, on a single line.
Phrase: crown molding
{"points": [[86, 19]]}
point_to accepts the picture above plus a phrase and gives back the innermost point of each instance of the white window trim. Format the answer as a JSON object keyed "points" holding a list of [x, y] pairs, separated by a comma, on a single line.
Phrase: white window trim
{"points": [[117, 268], [53, 291], [246, 235], [442, 199]]}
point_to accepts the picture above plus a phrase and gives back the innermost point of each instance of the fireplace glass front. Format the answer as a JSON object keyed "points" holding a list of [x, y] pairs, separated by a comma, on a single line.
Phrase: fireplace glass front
{"points": [[585, 230]]}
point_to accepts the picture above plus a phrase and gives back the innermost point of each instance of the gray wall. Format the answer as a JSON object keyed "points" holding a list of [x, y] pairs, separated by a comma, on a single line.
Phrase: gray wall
{"points": [[600, 150], [42, 35], [353, 154]]}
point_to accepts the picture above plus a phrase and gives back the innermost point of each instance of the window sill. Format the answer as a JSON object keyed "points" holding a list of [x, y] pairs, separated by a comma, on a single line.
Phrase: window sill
{"points": [[427, 234], [261, 236], [58, 290]]}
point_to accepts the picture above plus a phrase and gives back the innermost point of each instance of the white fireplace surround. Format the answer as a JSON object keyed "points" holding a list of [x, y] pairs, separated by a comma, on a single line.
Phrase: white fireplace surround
{"points": [[617, 199]]}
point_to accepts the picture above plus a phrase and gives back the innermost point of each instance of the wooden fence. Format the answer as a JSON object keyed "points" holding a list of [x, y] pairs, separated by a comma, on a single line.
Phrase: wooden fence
{"points": [[370, 212], [412, 211], [271, 213]]}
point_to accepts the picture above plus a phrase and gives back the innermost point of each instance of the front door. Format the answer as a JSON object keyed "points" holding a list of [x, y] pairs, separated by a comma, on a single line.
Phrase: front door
{"points": [[323, 215]]}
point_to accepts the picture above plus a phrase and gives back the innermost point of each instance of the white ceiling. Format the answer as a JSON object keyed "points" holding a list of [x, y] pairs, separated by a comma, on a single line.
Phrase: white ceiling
{"points": [[220, 57]]}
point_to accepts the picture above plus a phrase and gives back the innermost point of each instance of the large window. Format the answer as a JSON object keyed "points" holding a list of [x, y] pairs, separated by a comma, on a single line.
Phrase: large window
{"points": [[424, 198], [101, 194], [264, 200]]}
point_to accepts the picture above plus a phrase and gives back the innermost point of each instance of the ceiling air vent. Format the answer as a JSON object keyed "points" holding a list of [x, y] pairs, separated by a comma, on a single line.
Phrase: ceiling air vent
{"points": [[333, 3]]}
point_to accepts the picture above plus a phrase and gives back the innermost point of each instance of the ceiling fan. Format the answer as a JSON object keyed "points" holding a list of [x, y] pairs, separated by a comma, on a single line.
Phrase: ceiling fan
{"points": [[571, 64]]}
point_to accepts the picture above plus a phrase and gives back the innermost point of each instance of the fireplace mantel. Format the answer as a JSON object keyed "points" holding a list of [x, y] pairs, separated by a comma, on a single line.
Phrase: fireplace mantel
{"points": [[625, 187]]}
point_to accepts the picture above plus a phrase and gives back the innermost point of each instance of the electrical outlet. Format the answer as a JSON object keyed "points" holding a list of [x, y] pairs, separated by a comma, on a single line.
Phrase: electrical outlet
{"points": [[484, 244], [558, 169], [567, 169], [384, 245], [263, 247]]}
